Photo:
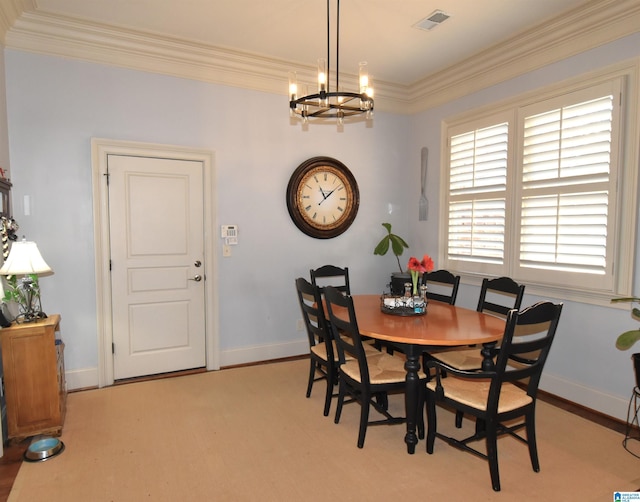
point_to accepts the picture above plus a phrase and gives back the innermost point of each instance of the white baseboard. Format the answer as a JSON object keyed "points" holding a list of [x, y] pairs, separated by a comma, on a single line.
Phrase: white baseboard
{"points": [[608, 404], [263, 353], [81, 379], [88, 378]]}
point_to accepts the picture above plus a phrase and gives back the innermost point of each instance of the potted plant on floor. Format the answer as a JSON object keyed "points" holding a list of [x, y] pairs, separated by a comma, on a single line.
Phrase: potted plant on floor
{"points": [[397, 244], [627, 339]]}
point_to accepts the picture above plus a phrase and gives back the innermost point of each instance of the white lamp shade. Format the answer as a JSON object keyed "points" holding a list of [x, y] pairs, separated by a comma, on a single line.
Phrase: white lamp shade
{"points": [[25, 258]]}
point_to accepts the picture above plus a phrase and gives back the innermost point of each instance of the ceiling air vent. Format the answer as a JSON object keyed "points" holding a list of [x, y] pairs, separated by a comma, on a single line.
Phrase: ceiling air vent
{"points": [[434, 19]]}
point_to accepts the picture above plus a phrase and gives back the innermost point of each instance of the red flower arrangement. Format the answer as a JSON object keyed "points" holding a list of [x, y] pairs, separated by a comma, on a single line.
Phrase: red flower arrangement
{"points": [[417, 268]]}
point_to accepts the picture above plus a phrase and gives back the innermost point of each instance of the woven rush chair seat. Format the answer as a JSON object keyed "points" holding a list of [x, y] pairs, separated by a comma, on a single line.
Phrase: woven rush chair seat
{"points": [[383, 368], [475, 393], [321, 351], [463, 359]]}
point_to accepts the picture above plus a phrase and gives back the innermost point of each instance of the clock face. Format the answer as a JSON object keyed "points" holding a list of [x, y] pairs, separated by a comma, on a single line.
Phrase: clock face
{"points": [[322, 197]]}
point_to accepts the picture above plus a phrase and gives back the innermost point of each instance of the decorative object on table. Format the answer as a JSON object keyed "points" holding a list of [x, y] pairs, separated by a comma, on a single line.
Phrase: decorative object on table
{"points": [[423, 206], [323, 197], [397, 244], [403, 305], [417, 268], [326, 104], [25, 259]]}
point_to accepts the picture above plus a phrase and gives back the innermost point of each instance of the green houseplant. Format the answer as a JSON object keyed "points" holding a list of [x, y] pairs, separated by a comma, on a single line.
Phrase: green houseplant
{"points": [[391, 241], [628, 339], [396, 244]]}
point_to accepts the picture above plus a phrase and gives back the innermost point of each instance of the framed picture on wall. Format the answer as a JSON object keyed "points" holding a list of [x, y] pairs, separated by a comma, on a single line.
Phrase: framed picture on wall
{"points": [[5, 198]]}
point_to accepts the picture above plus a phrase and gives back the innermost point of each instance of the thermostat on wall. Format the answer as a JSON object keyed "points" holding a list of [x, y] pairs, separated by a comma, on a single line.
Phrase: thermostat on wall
{"points": [[230, 234]]}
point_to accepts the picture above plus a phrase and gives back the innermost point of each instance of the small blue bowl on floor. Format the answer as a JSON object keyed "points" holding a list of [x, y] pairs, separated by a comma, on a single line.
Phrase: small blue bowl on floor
{"points": [[43, 449]]}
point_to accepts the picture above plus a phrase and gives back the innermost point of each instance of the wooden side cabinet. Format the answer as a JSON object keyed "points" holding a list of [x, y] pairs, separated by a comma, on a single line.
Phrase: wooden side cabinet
{"points": [[35, 388]]}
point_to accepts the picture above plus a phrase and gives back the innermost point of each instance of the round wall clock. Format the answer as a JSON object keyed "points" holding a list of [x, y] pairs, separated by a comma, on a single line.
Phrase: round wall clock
{"points": [[323, 197]]}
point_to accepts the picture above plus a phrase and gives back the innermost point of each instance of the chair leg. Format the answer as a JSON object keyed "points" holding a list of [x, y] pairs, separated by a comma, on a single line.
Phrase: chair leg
{"points": [[420, 414], [341, 393], [312, 374], [531, 440], [431, 420], [382, 399], [492, 454], [364, 418], [459, 416], [329, 393]]}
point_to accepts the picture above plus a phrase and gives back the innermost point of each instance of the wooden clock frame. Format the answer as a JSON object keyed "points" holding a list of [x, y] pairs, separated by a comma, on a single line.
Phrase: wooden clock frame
{"points": [[299, 213]]}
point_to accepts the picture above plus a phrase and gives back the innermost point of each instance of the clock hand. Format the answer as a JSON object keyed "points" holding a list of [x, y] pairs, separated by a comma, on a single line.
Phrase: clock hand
{"points": [[327, 196]]}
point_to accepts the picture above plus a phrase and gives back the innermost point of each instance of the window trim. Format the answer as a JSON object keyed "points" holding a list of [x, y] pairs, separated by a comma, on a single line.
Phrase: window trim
{"points": [[626, 208]]}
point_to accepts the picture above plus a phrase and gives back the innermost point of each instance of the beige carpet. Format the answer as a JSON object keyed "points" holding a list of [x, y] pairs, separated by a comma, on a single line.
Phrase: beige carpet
{"points": [[249, 434]]}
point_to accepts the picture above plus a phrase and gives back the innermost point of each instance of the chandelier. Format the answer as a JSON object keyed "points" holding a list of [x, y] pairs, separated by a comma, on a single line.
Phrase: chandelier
{"points": [[327, 103]]}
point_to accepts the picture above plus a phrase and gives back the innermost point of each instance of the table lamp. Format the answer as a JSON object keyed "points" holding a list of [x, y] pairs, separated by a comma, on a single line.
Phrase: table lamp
{"points": [[25, 259]]}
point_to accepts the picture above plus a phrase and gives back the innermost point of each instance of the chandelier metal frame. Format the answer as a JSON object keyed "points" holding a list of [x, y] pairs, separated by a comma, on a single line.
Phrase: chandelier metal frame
{"points": [[331, 104]]}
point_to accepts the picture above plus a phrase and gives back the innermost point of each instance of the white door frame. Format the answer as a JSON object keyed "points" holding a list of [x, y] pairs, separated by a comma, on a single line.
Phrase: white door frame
{"points": [[100, 150]]}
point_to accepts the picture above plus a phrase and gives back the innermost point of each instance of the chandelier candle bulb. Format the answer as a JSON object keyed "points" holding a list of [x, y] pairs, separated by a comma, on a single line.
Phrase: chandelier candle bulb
{"points": [[322, 75], [293, 86], [364, 77]]}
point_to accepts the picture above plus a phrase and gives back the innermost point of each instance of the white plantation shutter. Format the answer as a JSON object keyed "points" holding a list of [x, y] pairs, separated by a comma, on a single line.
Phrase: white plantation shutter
{"points": [[567, 189], [533, 191], [477, 195]]}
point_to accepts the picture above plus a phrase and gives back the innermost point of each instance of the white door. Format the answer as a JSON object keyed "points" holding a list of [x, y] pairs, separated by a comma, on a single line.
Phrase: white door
{"points": [[157, 264]]}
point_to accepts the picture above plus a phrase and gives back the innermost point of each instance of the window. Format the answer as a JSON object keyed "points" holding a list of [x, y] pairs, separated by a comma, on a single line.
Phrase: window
{"points": [[533, 191]]}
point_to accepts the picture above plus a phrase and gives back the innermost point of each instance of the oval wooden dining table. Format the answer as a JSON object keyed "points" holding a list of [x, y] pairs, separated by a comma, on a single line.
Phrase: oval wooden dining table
{"points": [[443, 325]]}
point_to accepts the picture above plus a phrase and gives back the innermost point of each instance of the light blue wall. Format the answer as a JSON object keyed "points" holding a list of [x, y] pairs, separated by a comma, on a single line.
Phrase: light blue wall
{"points": [[56, 105], [584, 366]]}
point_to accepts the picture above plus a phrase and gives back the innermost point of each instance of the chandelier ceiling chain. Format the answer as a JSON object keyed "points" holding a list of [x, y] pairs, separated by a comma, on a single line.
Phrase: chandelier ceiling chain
{"points": [[326, 103]]}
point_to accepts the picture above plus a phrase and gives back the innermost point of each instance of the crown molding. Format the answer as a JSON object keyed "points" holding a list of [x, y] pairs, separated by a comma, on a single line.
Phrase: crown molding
{"points": [[79, 39], [589, 26], [10, 10]]}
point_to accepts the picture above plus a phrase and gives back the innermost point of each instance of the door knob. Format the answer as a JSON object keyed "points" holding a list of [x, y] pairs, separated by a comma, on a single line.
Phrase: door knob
{"points": [[198, 263], [196, 278]]}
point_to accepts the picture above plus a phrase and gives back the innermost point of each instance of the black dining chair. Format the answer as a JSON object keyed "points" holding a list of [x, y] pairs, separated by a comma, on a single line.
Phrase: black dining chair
{"points": [[323, 358], [442, 286], [497, 297], [366, 376], [331, 275], [503, 400]]}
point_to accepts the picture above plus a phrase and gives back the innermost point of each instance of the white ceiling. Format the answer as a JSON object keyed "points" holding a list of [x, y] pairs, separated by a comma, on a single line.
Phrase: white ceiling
{"points": [[380, 32]]}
